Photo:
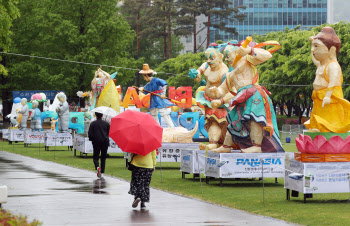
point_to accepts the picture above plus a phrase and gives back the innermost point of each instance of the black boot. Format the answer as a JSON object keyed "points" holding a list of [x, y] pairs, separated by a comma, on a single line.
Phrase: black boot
{"points": [[143, 206]]}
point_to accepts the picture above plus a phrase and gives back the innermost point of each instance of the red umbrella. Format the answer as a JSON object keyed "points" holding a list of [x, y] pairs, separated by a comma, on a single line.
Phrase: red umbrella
{"points": [[136, 132]]}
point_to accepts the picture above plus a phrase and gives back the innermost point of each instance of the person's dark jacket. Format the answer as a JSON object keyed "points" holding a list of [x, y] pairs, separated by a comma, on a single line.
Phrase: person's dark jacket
{"points": [[99, 132]]}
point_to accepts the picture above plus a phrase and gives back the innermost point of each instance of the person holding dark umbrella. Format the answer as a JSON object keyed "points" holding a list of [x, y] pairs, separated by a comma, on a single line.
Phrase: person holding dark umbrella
{"points": [[99, 136]]}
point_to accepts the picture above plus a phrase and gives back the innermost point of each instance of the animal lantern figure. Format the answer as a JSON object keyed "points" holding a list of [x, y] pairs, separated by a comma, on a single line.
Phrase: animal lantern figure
{"points": [[13, 116]]}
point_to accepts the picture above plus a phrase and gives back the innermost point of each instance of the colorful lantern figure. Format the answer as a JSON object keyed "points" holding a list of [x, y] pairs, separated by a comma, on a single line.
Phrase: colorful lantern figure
{"points": [[98, 83], [36, 119], [100, 80], [53, 124], [215, 119], [157, 88], [252, 121], [330, 111], [36, 97]]}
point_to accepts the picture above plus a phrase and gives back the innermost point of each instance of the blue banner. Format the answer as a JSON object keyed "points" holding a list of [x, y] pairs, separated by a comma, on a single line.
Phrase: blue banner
{"points": [[50, 94]]}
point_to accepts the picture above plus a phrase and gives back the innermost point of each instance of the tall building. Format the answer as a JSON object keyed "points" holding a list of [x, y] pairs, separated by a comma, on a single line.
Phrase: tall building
{"points": [[263, 16], [201, 42]]}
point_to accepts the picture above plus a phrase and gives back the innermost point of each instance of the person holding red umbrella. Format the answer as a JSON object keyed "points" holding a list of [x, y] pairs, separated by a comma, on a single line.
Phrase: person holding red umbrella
{"points": [[138, 133], [141, 175]]}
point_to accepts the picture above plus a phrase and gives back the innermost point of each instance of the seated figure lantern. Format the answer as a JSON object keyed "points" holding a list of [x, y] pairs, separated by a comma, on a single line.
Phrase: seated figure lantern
{"points": [[330, 110]]}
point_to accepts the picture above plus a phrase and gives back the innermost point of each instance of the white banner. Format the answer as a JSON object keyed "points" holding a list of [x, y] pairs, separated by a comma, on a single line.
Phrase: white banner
{"points": [[58, 139], [16, 135], [84, 145], [245, 165], [5, 134], [189, 163], [325, 177], [296, 183], [171, 152], [34, 137]]}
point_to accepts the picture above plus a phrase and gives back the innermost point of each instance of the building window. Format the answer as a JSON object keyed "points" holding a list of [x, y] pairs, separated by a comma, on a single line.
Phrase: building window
{"points": [[304, 3], [188, 39]]}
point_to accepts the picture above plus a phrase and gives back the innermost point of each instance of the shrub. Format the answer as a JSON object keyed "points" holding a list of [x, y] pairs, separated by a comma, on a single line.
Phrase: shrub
{"points": [[8, 219]]}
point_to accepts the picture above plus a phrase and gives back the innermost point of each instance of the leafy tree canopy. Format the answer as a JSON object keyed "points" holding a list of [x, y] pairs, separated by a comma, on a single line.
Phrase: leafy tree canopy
{"points": [[292, 64], [8, 12], [82, 31], [179, 67]]}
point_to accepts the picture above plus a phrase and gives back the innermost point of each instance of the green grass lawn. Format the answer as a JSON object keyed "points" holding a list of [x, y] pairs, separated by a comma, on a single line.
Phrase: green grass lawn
{"points": [[247, 195]]}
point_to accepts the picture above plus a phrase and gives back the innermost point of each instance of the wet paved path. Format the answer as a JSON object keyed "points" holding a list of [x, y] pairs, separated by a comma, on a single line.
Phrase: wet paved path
{"points": [[61, 195]]}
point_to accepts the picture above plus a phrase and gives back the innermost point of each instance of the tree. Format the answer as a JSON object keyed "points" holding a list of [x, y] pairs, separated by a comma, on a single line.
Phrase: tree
{"points": [[175, 70], [82, 31], [187, 19], [288, 67], [218, 12], [155, 30], [156, 21], [8, 12], [133, 10]]}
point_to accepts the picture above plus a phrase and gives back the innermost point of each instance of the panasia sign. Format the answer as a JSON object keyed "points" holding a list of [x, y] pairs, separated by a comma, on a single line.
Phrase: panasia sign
{"points": [[257, 162]]}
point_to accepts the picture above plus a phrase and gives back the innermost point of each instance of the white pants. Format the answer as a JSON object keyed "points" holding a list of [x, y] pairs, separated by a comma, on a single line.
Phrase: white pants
{"points": [[164, 113]]}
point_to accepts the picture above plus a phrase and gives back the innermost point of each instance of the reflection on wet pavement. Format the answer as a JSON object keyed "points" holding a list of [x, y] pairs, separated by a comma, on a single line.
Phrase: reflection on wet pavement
{"points": [[141, 216], [96, 187], [48, 174], [99, 184]]}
